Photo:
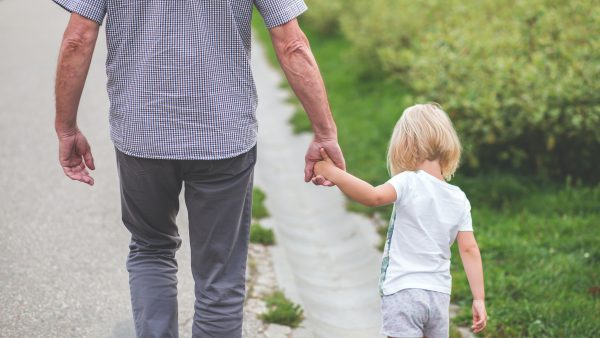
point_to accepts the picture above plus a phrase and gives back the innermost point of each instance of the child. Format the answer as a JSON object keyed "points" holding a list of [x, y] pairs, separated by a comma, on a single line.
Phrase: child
{"points": [[429, 214]]}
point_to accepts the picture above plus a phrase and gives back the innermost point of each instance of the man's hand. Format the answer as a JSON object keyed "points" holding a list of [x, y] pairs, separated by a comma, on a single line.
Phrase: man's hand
{"points": [[479, 316], [75, 157], [313, 155]]}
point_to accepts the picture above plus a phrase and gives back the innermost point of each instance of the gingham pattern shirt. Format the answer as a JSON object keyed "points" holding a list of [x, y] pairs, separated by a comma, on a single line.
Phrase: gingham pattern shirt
{"points": [[179, 78]]}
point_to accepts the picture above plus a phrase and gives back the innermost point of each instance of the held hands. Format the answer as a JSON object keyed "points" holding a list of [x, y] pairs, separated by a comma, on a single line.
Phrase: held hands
{"points": [[479, 316], [323, 167], [314, 155], [75, 157]]}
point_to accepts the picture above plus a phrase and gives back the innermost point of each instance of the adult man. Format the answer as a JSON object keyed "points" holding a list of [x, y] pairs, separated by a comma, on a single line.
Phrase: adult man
{"points": [[182, 112]]}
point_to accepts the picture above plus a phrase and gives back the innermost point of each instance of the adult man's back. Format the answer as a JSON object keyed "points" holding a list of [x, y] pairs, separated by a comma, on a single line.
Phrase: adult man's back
{"points": [[182, 112]]}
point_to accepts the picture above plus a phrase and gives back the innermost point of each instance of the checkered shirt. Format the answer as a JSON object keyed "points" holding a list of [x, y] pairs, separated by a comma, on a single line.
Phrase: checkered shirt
{"points": [[179, 78]]}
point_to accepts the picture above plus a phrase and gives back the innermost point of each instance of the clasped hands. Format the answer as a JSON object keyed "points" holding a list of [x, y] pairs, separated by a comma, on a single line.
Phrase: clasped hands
{"points": [[322, 154]]}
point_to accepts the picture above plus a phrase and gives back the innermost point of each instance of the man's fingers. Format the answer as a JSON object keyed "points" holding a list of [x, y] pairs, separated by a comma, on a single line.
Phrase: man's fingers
{"points": [[79, 173], [309, 171], [336, 156], [89, 160]]}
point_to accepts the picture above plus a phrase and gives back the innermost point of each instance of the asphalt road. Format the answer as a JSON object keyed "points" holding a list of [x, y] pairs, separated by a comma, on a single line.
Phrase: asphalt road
{"points": [[63, 246]]}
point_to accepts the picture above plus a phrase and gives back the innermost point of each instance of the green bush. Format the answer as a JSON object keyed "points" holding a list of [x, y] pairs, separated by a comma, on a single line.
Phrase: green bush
{"points": [[258, 204], [323, 15], [283, 311], [519, 78], [260, 235]]}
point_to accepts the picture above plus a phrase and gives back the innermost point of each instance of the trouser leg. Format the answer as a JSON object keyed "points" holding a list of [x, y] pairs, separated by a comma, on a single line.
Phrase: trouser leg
{"points": [[150, 202], [219, 205]]}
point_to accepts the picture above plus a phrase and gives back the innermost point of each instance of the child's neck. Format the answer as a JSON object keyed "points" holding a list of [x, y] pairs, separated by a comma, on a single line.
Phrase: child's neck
{"points": [[433, 168]]}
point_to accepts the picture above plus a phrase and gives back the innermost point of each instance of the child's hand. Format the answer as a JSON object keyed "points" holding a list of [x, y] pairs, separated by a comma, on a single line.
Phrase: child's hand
{"points": [[479, 316], [324, 166]]}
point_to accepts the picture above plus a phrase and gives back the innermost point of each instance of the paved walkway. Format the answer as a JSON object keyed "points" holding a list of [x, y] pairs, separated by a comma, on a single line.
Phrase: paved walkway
{"points": [[62, 267], [62, 271], [326, 258]]}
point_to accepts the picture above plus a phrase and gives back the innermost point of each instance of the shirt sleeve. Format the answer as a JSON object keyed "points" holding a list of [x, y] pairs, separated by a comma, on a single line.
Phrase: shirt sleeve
{"points": [[278, 12], [466, 223], [92, 9], [400, 183]]}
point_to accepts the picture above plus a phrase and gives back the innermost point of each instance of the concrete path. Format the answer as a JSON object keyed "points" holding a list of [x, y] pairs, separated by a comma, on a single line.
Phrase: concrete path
{"points": [[326, 258], [62, 265]]}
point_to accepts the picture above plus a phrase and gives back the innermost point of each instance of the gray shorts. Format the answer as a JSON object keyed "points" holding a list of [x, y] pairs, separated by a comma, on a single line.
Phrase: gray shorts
{"points": [[415, 313]]}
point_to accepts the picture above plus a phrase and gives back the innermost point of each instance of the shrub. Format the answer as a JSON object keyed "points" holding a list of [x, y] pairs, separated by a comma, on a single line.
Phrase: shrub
{"points": [[260, 235], [323, 15], [283, 311], [519, 78], [258, 204]]}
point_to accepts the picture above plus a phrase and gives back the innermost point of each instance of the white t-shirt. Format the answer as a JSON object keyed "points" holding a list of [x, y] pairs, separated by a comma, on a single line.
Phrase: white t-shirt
{"points": [[428, 214]]}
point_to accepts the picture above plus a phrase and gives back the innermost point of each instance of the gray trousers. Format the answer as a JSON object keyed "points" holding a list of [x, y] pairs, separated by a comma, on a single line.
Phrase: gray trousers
{"points": [[218, 195]]}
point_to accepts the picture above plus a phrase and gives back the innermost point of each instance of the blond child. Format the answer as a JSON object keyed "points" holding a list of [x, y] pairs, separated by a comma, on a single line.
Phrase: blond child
{"points": [[429, 215]]}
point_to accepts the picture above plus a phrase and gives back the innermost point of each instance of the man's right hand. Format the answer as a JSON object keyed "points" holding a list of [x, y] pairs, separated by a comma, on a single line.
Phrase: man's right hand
{"points": [[75, 156], [313, 155]]}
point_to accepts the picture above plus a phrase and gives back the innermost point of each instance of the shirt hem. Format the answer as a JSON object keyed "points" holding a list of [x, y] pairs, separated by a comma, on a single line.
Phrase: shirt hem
{"points": [[437, 288], [184, 158]]}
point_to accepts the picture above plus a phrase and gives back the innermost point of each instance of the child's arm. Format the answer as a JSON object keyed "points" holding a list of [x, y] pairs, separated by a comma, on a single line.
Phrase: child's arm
{"points": [[357, 189], [471, 258]]}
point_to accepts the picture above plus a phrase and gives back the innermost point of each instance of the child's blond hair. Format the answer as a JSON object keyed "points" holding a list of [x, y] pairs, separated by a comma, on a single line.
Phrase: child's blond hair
{"points": [[424, 132]]}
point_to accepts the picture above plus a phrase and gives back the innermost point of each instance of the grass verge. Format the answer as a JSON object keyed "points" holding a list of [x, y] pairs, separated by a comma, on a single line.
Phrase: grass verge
{"points": [[283, 311], [259, 210], [261, 235]]}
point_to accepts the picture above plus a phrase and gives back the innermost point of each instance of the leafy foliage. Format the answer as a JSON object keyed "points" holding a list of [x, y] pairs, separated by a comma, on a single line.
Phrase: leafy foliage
{"points": [[519, 78], [323, 15], [261, 235], [282, 311]]}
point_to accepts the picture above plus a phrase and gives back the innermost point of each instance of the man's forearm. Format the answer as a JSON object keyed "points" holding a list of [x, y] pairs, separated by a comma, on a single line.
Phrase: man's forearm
{"points": [[302, 72], [73, 64]]}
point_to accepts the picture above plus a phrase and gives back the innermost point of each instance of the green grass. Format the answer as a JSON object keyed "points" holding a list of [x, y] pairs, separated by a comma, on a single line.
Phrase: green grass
{"points": [[540, 241], [542, 264], [258, 204], [261, 235], [283, 311]]}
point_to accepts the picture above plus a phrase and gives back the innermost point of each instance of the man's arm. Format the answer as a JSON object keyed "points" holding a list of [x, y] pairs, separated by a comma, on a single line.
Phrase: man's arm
{"points": [[74, 60], [300, 68], [471, 258]]}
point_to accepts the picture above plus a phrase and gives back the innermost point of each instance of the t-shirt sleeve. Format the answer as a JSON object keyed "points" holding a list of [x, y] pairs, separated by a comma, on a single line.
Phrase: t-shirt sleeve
{"points": [[92, 9], [466, 223], [400, 183], [278, 12]]}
